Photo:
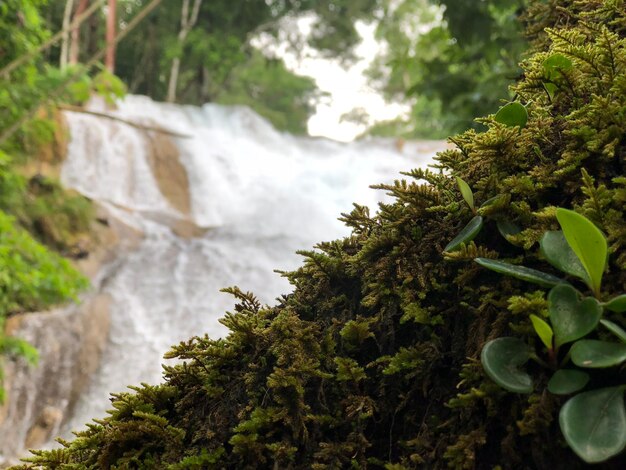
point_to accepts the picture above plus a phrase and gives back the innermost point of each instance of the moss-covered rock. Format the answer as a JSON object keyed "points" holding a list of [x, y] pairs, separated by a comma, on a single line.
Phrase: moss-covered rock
{"points": [[373, 361]]}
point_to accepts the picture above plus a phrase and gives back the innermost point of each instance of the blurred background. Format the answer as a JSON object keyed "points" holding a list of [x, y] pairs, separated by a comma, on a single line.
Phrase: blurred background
{"points": [[339, 68]]}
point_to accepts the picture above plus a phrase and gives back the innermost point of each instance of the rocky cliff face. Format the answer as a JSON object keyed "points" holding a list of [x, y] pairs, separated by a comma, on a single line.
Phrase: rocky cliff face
{"points": [[71, 339]]}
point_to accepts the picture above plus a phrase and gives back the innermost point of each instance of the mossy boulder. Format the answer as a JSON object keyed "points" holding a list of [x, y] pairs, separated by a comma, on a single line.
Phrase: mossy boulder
{"points": [[373, 361]]}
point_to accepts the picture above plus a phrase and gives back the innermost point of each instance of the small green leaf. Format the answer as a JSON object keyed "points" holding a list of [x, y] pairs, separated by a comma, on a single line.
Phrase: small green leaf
{"points": [[551, 89], [588, 243], [466, 235], [507, 228], [571, 319], [520, 272], [554, 65], [566, 381], [543, 330], [593, 353], [615, 329], [499, 200], [512, 114], [559, 254], [616, 304], [466, 192], [495, 206], [594, 424], [501, 359]]}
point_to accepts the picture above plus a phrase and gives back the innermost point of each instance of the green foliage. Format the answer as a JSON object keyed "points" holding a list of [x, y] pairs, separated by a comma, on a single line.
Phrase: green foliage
{"points": [[571, 319], [594, 353], [466, 192], [454, 58], [469, 232], [53, 216], [31, 278], [520, 272], [512, 114], [501, 359], [567, 381], [108, 86], [615, 329], [543, 330], [616, 304], [32, 210], [15, 347], [218, 62], [602, 436], [558, 253], [21, 29], [266, 86], [407, 323], [29, 92], [589, 244]]}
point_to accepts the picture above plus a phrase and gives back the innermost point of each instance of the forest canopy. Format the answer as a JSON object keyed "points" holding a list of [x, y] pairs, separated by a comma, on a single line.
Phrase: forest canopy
{"points": [[450, 60]]}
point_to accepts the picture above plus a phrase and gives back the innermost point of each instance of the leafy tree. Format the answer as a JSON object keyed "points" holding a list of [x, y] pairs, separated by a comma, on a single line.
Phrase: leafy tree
{"points": [[266, 86], [31, 275], [216, 51], [455, 58]]}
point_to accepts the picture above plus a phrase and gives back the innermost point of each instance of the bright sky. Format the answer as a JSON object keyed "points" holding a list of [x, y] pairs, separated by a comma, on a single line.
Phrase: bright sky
{"points": [[347, 87]]}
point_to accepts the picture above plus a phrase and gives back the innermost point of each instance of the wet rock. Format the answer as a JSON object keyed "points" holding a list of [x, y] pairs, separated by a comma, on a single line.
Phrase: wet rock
{"points": [[70, 341], [169, 172]]}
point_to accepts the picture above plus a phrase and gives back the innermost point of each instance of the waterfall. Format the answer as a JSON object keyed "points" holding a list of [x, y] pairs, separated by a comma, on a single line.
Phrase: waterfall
{"points": [[254, 196]]}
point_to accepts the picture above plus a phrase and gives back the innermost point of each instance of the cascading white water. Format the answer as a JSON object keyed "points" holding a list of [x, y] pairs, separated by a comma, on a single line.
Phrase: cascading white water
{"points": [[262, 195]]}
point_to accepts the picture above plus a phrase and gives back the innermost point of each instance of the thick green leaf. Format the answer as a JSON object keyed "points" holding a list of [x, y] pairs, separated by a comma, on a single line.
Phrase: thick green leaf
{"points": [[588, 243], [594, 424], [594, 354], [616, 304], [501, 359], [559, 254], [615, 329], [466, 192], [512, 114], [566, 381], [543, 330], [571, 318], [466, 235], [520, 272]]}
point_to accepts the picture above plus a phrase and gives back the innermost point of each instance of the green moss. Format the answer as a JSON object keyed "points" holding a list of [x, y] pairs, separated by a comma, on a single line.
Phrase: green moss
{"points": [[31, 278], [372, 362], [54, 216]]}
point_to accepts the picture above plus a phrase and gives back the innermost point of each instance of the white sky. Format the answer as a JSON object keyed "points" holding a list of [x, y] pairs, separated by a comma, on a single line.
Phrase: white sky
{"points": [[347, 87]]}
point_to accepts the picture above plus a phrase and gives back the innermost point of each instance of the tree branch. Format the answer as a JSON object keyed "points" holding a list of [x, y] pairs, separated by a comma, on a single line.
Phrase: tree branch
{"points": [[144, 127]]}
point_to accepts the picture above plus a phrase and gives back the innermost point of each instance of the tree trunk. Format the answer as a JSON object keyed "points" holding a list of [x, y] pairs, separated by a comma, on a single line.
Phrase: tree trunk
{"points": [[75, 43], [187, 21], [109, 61], [67, 14]]}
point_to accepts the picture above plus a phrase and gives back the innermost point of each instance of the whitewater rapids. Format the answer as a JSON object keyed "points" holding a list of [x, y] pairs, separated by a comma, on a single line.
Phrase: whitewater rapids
{"points": [[259, 193]]}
